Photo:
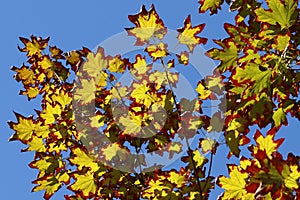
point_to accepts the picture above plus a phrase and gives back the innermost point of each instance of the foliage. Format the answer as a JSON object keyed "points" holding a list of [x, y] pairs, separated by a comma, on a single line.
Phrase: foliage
{"points": [[258, 68]]}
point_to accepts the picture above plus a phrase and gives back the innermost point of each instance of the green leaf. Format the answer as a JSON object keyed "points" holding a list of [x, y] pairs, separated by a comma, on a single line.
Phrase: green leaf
{"points": [[233, 140], [283, 14], [252, 73], [279, 117], [227, 56]]}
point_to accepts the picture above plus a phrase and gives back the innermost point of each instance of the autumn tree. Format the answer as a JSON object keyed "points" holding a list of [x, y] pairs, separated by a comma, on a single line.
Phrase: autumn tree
{"points": [[96, 132]]}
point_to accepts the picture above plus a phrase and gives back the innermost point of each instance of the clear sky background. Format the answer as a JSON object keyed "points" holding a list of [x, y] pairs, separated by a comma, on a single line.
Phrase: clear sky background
{"points": [[71, 25]]}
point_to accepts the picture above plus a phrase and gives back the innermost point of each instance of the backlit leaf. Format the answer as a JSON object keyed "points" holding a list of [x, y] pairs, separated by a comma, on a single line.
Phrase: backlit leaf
{"points": [[283, 13], [212, 5], [234, 185], [148, 26], [34, 46], [84, 183], [188, 34]]}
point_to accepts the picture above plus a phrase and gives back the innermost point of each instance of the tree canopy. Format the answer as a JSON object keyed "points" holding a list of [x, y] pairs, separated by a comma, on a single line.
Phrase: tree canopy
{"points": [[96, 132]]}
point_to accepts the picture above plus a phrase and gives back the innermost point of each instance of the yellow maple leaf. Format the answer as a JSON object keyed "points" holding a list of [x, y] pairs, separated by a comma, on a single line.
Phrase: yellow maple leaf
{"points": [[291, 176], [164, 78], [116, 64], [51, 184], [203, 92], [267, 144], [45, 63], [187, 34], [82, 159], [41, 130], [132, 123], [61, 97], [113, 150], [57, 147], [235, 185], [31, 92], [86, 92], [183, 58], [148, 25], [23, 128], [142, 94], [157, 185], [85, 183], [50, 113], [24, 74], [73, 57], [207, 145], [176, 178], [34, 46], [36, 144], [199, 158], [139, 68], [95, 63], [157, 51]]}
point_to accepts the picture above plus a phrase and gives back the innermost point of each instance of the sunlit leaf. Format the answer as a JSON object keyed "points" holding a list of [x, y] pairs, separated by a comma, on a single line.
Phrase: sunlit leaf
{"points": [[212, 5], [283, 13], [234, 185], [148, 26], [188, 34], [34, 46], [84, 183]]}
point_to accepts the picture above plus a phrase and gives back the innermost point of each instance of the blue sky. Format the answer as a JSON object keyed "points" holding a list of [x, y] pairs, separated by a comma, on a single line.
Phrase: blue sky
{"points": [[71, 25]]}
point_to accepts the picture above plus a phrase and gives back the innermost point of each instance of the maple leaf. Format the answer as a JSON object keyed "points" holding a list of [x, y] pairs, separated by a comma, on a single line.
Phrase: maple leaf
{"points": [[62, 97], [86, 92], [95, 63], [24, 128], [267, 144], [82, 159], [233, 142], [207, 145], [252, 72], [46, 164], [51, 183], [24, 74], [33, 46], [142, 93], [30, 92], [187, 34], [291, 176], [235, 185], [73, 57], [177, 178], [164, 78], [281, 42], [56, 52], [132, 123], [51, 113], [116, 64], [156, 186], [199, 158], [279, 117], [212, 5], [148, 25], [174, 147], [203, 92], [157, 51], [228, 55], [84, 184], [183, 58], [140, 67], [283, 14], [36, 144], [113, 150]]}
